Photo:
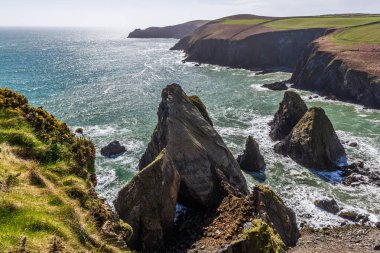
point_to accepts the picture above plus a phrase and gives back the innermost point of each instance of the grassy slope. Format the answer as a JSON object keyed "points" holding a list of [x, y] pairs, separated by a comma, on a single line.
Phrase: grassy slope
{"points": [[321, 22], [368, 34], [46, 196], [243, 21]]}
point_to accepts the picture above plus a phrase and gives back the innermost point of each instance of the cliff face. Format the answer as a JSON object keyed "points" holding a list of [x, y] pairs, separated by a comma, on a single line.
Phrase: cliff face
{"points": [[269, 50], [323, 71], [176, 31]]}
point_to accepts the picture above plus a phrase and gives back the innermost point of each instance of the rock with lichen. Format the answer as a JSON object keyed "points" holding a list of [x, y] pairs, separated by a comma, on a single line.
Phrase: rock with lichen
{"points": [[199, 153], [148, 203], [290, 111], [313, 142], [251, 159]]}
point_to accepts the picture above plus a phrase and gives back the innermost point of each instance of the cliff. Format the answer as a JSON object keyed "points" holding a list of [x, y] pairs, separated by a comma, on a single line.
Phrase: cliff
{"points": [[47, 179], [175, 31], [335, 55], [350, 72]]}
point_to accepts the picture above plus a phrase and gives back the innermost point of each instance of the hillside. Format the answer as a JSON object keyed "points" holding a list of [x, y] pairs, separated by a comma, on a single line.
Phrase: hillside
{"points": [[175, 31], [269, 43], [47, 179]]}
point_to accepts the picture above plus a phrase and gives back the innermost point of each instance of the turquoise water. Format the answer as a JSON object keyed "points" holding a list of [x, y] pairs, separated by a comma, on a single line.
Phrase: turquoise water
{"points": [[111, 86]]}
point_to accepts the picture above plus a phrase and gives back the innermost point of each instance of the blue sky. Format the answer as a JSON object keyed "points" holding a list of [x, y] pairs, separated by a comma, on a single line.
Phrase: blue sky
{"points": [[129, 14]]}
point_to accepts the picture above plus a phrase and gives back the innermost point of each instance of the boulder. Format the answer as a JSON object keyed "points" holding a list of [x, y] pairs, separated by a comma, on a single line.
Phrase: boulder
{"points": [[313, 142], [353, 216], [276, 86], [148, 203], [328, 205], [251, 159], [271, 209], [197, 150], [291, 110], [113, 149]]}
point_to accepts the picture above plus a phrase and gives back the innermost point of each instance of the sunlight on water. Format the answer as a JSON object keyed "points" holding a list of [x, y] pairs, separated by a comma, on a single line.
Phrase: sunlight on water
{"points": [[111, 87]]}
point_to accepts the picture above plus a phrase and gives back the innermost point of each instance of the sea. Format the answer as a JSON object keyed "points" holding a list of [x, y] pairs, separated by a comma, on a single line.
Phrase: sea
{"points": [[110, 85]]}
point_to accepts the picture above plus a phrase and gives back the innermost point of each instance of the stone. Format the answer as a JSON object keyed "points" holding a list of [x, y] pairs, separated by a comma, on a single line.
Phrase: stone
{"points": [[272, 210], [353, 216], [251, 159], [148, 203], [353, 144], [276, 86], [313, 142], [377, 247], [328, 205], [113, 149], [290, 111], [199, 153]]}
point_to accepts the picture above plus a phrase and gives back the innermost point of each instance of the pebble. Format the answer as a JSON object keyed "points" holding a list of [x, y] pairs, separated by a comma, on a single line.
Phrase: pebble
{"points": [[377, 247]]}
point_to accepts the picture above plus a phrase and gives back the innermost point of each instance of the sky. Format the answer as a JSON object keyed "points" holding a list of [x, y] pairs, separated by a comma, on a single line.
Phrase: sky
{"points": [[130, 14]]}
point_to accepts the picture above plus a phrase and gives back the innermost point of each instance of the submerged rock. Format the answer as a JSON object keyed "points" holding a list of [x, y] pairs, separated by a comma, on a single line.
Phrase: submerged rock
{"points": [[328, 205], [198, 152], [148, 203], [113, 149], [313, 142], [251, 159], [291, 110], [276, 86]]}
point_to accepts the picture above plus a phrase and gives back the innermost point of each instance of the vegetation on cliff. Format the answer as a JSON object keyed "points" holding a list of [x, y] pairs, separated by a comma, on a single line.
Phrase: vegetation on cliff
{"points": [[47, 179]]}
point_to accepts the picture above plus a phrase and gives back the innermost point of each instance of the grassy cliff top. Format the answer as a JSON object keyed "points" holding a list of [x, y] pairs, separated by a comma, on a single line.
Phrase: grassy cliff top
{"points": [[47, 197], [367, 34]]}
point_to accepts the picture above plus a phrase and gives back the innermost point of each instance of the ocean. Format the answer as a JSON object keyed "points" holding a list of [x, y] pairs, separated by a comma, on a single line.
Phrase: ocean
{"points": [[111, 86]]}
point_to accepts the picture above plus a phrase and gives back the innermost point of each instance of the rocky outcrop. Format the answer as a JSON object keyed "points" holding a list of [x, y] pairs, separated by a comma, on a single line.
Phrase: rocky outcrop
{"points": [[276, 86], [272, 210], [269, 50], [313, 142], [148, 203], [328, 205], [291, 110], [251, 159], [322, 71], [113, 149], [198, 152], [176, 31]]}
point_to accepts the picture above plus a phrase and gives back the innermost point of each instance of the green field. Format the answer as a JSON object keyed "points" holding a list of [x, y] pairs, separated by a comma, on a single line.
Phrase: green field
{"points": [[369, 34], [243, 21], [321, 22]]}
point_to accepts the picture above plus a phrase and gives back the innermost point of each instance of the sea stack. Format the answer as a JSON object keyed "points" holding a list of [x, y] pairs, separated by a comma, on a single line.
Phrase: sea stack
{"points": [[251, 159], [290, 111], [313, 142]]}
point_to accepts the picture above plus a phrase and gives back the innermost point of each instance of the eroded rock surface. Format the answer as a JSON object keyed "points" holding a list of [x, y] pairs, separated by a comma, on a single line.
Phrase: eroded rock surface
{"points": [[198, 152], [148, 203], [313, 142], [290, 111]]}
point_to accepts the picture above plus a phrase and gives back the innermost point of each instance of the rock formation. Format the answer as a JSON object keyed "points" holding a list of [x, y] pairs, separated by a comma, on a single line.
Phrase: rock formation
{"points": [[328, 205], [291, 110], [251, 159], [113, 149], [276, 86], [148, 203], [198, 152], [313, 142]]}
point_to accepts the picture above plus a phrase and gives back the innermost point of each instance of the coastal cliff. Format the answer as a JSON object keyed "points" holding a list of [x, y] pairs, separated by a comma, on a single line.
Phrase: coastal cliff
{"points": [[269, 50], [175, 31], [323, 70]]}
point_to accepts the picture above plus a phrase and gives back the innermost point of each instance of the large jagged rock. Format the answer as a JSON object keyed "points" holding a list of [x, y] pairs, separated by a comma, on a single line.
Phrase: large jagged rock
{"points": [[148, 203], [313, 142], [198, 152], [271, 209], [291, 110], [251, 159]]}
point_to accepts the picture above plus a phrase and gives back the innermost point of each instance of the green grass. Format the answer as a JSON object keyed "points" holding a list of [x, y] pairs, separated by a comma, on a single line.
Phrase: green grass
{"points": [[321, 22], [369, 34], [243, 21]]}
